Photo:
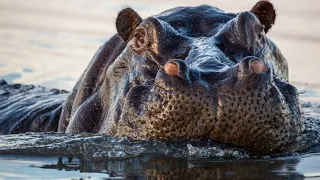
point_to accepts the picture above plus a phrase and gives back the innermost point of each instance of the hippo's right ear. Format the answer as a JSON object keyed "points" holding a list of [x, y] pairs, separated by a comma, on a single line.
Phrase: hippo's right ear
{"points": [[126, 23], [265, 12]]}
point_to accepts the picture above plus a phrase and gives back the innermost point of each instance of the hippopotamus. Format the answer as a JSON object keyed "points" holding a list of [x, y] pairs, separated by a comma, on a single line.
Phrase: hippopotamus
{"points": [[187, 73]]}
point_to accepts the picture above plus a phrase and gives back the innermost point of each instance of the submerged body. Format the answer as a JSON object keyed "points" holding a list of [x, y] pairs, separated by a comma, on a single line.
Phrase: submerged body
{"points": [[187, 73]]}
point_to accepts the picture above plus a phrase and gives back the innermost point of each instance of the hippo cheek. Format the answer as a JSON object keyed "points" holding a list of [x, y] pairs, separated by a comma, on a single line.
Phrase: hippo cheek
{"points": [[131, 124], [252, 111]]}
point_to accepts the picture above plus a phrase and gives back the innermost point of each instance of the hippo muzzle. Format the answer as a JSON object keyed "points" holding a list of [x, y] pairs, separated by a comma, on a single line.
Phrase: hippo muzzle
{"points": [[246, 106]]}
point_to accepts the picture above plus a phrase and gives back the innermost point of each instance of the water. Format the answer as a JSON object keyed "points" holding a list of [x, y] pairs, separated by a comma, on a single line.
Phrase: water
{"points": [[149, 167], [91, 156], [51, 43]]}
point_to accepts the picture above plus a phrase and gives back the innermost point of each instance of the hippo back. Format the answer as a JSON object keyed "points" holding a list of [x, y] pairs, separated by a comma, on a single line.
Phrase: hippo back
{"points": [[29, 108]]}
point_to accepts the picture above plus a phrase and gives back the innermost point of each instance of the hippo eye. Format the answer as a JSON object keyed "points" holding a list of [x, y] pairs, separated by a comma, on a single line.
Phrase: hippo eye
{"points": [[261, 31], [182, 55], [221, 46], [229, 55]]}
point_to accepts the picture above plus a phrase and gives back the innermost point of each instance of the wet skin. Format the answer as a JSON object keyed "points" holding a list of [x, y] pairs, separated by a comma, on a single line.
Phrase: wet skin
{"points": [[187, 73]]}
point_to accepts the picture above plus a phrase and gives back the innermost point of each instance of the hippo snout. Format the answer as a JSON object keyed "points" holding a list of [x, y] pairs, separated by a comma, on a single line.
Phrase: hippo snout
{"points": [[245, 106]]}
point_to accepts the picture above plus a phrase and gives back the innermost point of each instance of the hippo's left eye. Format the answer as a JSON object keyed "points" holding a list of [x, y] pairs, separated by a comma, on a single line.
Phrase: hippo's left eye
{"points": [[182, 55]]}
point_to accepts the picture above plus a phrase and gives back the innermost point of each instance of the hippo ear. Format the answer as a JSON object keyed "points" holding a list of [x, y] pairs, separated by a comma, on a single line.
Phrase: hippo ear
{"points": [[159, 41], [159, 38], [265, 12], [126, 23], [146, 36]]}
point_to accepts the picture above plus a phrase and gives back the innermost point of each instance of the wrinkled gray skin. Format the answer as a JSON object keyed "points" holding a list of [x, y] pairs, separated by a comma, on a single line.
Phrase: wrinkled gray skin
{"points": [[125, 91]]}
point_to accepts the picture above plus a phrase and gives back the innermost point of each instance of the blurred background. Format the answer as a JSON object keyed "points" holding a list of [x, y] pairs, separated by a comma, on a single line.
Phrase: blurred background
{"points": [[50, 43]]}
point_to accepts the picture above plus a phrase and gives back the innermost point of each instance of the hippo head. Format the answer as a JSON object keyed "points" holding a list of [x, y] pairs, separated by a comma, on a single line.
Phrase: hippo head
{"points": [[201, 73], [189, 73]]}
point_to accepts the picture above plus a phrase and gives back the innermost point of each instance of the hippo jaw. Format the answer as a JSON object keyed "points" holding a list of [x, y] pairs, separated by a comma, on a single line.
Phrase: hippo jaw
{"points": [[215, 92]]}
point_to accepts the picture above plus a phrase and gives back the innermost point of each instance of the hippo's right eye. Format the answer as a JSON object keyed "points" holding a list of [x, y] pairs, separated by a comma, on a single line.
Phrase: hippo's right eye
{"points": [[221, 46], [229, 55], [260, 31]]}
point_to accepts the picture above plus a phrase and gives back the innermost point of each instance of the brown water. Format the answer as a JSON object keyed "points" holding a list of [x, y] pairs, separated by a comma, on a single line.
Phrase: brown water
{"points": [[50, 43]]}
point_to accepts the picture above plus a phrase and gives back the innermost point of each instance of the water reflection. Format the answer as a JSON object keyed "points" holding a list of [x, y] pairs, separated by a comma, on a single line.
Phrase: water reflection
{"points": [[27, 70], [102, 156], [172, 168], [11, 77], [107, 156]]}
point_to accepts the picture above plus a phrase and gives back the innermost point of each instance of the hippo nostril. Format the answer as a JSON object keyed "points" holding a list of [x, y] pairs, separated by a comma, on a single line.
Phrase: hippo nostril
{"points": [[252, 65], [171, 68], [177, 67], [258, 66]]}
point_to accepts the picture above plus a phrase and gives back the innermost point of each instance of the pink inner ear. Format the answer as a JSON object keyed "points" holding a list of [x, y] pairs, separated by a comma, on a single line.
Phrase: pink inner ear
{"points": [[171, 68], [258, 66]]}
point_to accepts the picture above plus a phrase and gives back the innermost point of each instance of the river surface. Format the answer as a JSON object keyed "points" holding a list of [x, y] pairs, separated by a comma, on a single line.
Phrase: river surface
{"points": [[50, 43]]}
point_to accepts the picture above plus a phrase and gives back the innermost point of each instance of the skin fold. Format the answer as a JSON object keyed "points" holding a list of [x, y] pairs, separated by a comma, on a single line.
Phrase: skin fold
{"points": [[187, 73]]}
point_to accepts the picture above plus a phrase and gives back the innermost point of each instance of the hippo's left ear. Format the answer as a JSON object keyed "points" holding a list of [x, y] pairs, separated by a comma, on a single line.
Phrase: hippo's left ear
{"points": [[126, 23], [265, 12]]}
